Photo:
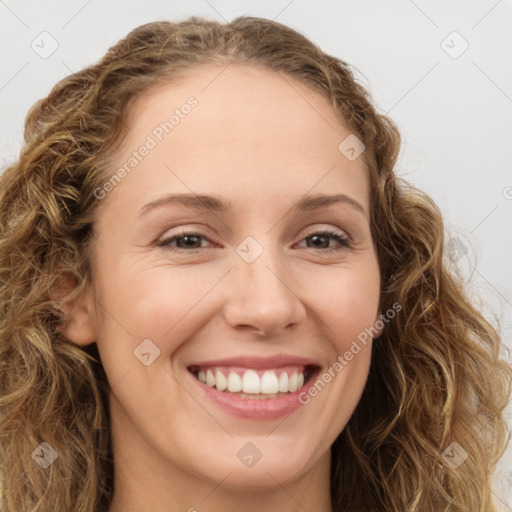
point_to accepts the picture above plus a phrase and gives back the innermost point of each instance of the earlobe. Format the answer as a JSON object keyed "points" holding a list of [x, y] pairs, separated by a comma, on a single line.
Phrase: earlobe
{"points": [[77, 325]]}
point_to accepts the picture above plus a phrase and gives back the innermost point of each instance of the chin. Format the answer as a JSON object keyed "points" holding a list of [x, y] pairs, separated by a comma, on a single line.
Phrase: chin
{"points": [[269, 471]]}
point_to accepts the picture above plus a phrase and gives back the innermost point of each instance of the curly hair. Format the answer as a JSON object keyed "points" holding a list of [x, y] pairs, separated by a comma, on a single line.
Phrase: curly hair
{"points": [[436, 375]]}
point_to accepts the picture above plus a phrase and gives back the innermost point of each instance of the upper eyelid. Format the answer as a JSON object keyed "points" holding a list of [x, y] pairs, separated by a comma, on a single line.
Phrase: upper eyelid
{"points": [[202, 233]]}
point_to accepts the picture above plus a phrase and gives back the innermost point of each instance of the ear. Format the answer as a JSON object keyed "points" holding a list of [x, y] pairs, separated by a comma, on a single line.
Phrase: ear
{"points": [[77, 325]]}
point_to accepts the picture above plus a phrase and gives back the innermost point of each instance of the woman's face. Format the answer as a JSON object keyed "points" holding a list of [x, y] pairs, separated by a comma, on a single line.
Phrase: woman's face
{"points": [[184, 290]]}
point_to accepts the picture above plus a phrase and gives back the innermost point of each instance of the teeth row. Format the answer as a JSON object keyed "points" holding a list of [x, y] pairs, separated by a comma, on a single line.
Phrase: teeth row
{"points": [[251, 382]]}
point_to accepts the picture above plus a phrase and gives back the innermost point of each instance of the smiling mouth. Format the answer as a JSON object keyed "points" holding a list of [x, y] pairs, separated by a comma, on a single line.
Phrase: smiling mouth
{"points": [[254, 383]]}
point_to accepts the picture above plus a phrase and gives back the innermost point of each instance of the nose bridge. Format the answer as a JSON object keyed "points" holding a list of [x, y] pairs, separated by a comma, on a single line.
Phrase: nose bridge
{"points": [[262, 295]]}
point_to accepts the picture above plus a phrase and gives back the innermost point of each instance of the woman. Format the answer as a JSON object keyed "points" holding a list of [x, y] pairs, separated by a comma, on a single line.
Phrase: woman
{"points": [[217, 294]]}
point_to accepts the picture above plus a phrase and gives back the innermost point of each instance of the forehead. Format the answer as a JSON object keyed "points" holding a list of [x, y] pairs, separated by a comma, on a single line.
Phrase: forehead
{"points": [[239, 95], [250, 128]]}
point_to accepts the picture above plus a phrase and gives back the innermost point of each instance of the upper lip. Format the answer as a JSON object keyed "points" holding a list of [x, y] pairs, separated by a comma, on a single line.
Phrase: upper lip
{"points": [[258, 362]]}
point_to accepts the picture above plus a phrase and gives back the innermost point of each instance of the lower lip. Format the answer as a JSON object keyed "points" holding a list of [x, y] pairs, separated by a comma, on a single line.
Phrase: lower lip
{"points": [[253, 408]]}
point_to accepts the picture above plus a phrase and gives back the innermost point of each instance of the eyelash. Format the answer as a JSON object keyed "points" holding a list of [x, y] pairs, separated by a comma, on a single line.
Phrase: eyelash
{"points": [[344, 241]]}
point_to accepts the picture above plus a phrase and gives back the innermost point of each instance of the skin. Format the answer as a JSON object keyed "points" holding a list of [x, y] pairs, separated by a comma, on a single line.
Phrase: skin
{"points": [[263, 144]]}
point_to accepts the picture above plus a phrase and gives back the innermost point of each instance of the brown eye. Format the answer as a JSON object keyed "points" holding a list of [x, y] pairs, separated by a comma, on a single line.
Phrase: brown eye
{"points": [[188, 241], [320, 240]]}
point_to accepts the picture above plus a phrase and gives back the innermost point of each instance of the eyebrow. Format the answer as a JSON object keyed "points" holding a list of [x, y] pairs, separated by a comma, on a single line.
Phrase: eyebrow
{"points": [[202, 202]]}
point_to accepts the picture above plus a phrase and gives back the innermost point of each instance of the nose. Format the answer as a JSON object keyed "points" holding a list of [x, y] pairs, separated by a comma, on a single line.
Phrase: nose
{"points": [[262, 296]]}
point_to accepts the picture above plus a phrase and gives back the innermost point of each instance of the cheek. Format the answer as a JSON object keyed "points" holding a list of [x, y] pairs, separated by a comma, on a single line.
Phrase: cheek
{"points": [[346, 301], [139, 301], [160, 304]]}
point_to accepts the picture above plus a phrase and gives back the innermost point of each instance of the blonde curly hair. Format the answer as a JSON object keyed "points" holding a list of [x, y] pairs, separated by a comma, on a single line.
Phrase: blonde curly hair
{"points": [[436, 375]]}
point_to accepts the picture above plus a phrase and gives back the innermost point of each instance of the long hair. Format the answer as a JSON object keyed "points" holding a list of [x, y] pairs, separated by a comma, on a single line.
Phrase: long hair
{"points": [[436, 376]]}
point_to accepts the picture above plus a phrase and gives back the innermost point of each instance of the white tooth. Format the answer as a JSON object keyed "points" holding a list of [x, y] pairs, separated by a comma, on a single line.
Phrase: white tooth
{"points": [[201, 376], [292, 383], [283, 382], [250, 382], [210, 379], [300, 380], [221, 383], [234, 382], [269, 383]]}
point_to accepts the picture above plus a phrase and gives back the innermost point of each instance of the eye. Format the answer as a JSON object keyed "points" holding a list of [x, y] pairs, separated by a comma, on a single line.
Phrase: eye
{"points": [[186, 240], [190, 241], [317, 236]]}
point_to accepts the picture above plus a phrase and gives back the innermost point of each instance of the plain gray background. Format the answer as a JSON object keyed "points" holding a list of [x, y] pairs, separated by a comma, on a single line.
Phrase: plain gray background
{"points": [[441, 70]]}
